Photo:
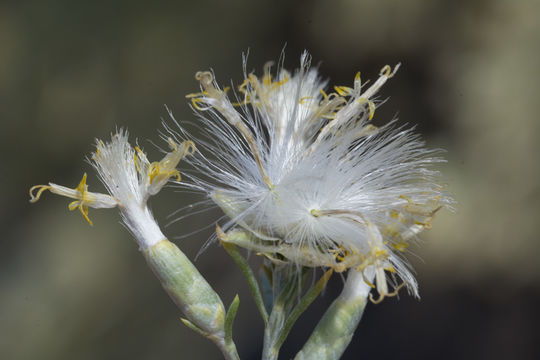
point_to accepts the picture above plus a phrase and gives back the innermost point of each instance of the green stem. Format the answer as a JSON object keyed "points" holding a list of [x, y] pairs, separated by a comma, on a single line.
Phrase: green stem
{"points": [[275, 323], [280, 308], [228, 349], [336, 328]]}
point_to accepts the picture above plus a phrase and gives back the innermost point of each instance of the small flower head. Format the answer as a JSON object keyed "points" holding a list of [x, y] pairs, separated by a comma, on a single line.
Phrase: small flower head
{"points": [[306, 178], [130, 180]]}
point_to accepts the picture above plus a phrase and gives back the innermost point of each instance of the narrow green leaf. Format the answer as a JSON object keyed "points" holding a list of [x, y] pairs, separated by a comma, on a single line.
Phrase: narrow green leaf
{"points": [[229, 319], [242, 263], [194, 327]]}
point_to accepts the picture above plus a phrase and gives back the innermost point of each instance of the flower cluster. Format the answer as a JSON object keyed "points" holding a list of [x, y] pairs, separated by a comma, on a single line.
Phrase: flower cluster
{"points": [[307, 179]]}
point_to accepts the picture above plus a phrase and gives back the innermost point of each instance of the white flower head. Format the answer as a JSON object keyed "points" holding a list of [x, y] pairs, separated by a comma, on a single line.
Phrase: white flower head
{"points": [[130, 180], [309, 179]]}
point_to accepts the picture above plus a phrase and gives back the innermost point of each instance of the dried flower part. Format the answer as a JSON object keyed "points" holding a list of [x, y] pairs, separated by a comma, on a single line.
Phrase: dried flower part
{"points": [[310, 180]]}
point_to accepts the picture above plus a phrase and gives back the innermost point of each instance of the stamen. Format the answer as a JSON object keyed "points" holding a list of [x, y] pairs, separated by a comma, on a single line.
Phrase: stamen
{"points": [[160, 172], [346, 112], [82, 188]]}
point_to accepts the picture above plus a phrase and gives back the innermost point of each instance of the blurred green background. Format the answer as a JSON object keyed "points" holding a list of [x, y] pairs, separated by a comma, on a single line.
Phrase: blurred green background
{"points": [[71, 71]]}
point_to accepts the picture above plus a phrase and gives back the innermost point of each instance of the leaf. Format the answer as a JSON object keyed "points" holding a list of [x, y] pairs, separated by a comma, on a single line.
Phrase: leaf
{"points": [[229, 319]]}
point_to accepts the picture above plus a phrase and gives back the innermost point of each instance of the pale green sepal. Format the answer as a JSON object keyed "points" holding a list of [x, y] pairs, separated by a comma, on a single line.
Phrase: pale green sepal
{"points": [[187, 287], [191, 293]]}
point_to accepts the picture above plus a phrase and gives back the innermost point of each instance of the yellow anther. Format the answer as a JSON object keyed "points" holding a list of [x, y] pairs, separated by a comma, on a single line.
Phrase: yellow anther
{"points": [[159, 172], [378, 252], [195, 101], [199, 94], [357, 82], [83, 208], [323, 93], [281, 82], [400, 246], [371, 106], [241, 103], [267, 77], [340, 253], [370, 284], [82, 188], [343, 90], [82, 201], [137, 157], [153, 171], [304, 99]]}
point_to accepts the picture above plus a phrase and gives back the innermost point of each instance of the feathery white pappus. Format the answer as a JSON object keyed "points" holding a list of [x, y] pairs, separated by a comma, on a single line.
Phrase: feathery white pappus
{"points": [[309, 178]]}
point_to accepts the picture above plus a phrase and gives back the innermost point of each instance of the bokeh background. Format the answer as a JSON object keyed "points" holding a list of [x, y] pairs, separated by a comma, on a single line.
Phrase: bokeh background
{"points": [[71, 71]]}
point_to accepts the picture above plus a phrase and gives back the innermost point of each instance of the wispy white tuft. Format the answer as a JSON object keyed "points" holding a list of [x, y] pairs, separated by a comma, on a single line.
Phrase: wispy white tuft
{"points": [[305, 172]]}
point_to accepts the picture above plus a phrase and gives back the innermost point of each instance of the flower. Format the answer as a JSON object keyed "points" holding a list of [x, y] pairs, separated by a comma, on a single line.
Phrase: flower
{"points": [[130, 180], [307, 179]]}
